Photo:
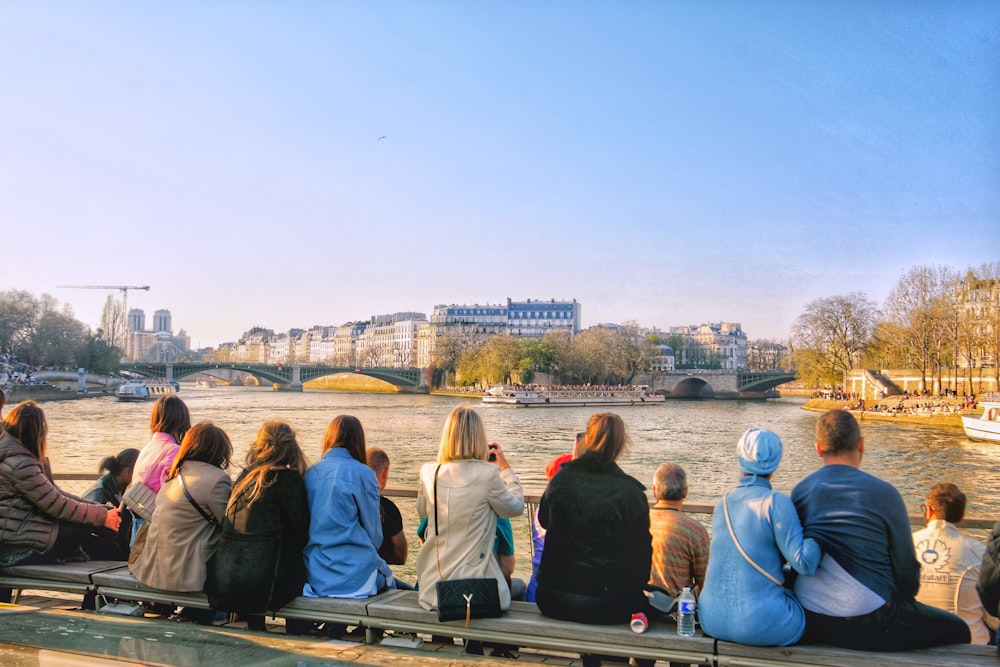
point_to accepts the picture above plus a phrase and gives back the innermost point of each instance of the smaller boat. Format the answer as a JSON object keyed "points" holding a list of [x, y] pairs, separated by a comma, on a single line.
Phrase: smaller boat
{"points": [[145, 390], [984, 427], [203, 383]]}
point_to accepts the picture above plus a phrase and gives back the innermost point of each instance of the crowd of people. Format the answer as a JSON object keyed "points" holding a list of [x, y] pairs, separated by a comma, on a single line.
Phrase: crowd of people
{"points": [[833, 563]]}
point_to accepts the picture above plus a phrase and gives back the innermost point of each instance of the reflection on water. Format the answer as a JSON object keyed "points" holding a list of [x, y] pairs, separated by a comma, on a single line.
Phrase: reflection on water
{"points": [[700, 435]]}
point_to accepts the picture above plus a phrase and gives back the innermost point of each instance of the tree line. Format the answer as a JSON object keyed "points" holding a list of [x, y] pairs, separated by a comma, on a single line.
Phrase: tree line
{"points": [[597, 355], [936, 320], [38, 332]]}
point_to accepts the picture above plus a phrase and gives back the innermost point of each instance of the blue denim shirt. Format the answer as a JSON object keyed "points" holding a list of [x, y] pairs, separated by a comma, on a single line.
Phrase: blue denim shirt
{"points": [[345, 529], [739, 603]]}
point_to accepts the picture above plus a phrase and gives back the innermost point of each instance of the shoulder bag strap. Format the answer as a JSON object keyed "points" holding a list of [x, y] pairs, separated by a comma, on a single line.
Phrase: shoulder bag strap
{"points": [[729, 525], [437, 552], [187, 494]]}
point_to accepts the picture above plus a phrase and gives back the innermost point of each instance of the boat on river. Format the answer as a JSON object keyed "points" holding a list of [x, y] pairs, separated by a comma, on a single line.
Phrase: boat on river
{"points": [[537, 397], [984, 427], [145, 390]]}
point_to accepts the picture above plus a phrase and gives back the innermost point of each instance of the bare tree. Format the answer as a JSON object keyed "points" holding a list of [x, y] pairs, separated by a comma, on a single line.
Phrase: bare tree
{"points": [[113, 323], [832, 335]]}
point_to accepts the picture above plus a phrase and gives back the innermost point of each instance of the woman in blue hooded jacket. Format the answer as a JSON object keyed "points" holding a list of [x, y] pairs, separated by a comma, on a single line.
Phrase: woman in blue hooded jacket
{"points": [[755, 531]]}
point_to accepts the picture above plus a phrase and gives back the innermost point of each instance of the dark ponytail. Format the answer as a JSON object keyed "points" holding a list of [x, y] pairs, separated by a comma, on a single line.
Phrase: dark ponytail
{"points": [[126, 458]]}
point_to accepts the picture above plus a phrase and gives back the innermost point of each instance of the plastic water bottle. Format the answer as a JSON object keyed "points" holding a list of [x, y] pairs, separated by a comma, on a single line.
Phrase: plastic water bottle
{"points": [[685, 613]]}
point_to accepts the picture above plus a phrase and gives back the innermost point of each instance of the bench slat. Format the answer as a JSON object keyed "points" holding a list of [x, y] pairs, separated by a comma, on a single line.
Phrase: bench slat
{"points": [[807, 655]]}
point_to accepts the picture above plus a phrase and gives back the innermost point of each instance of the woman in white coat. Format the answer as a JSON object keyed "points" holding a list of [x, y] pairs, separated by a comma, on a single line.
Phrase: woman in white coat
{"points": [[471, 492]]}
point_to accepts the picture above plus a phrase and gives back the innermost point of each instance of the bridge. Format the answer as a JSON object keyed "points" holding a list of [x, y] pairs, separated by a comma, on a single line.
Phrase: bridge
{"points": [[698, 383], [291, 376]]}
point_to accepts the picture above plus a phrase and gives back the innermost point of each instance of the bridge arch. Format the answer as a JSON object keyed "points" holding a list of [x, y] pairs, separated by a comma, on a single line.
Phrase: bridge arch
{"points": [[692, 388]]}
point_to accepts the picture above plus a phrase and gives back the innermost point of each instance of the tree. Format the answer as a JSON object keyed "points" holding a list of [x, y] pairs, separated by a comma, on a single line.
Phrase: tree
{"points": [[764, 354], [17, 320], [832, 335], [919, 309], [113, 323]]}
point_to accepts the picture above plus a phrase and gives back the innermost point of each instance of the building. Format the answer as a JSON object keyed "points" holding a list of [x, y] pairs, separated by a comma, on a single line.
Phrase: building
{"points": [[159, 344], [713, 345], [531, 319]]}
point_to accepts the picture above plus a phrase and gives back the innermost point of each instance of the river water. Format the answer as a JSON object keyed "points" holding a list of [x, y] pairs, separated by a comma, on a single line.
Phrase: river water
{"points": [[699, 435]]}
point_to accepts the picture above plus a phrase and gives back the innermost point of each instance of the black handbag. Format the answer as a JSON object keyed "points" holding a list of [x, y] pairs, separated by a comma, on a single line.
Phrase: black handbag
{"points": [[463, 598]]}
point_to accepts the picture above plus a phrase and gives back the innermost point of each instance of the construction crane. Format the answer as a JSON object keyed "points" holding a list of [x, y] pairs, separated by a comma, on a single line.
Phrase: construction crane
{"points": [[124, 290]]}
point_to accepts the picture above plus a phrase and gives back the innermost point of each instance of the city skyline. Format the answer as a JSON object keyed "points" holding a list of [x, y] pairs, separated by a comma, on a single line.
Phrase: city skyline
{"points": [[318, 163]]}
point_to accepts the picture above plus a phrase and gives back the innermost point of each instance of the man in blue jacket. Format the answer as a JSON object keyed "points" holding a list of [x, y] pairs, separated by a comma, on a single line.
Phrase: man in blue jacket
{"points": [[862, 595]]}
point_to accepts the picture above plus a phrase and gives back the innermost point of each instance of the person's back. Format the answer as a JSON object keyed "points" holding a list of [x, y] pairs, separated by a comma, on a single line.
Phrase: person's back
{"points": [[597, 543], [950, 561], [680, 544], [863, 594]]}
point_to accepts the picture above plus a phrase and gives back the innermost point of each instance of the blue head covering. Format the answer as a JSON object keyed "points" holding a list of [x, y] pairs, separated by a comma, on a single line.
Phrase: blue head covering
{"points": [[759, 451]]}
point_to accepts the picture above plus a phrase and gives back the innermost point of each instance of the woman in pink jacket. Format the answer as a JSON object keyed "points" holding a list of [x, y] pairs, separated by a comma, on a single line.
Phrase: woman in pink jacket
{"points": [[168, 424]]}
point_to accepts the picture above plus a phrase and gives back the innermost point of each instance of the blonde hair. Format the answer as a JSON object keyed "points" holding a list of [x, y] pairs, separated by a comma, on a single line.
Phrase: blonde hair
{"points": [[463, 436], [276, 447]]}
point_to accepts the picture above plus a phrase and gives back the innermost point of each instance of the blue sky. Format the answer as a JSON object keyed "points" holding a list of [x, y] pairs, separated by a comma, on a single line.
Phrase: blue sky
{"points": [[665, 162]]}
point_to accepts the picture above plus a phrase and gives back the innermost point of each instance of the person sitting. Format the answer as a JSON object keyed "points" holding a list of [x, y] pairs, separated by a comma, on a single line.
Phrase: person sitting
{"points": [[950, 561], [394, 546], [680, 544], [258, 563], [471, 493], [168, 424], [173, 552], [754, 532], [863, 593], [39, 522], [537, 532], [107, 490], [345, 530]]}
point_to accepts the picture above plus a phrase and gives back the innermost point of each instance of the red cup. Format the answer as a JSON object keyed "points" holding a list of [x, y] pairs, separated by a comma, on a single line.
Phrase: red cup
{"points": [[639, 623]]}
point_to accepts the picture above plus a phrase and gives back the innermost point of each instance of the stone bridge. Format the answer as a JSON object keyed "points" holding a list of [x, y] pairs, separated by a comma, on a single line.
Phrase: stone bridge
{"points": [[718, 383], [287, 376], [79, 380]]}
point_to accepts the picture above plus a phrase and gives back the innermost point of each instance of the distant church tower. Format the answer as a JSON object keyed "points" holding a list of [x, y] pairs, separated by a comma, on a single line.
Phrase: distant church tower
{"points": [[161, 321]]}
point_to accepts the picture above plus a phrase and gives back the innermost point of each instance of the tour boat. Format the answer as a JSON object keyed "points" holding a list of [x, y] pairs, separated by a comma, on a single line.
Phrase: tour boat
{"points": [[984, 427], [567, 397], [145, 390]]}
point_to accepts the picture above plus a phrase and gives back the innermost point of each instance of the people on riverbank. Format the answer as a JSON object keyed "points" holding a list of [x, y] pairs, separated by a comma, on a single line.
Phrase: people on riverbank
{"points": [[862, 596], [39, 522], [680, 544], [345, 529], [184, 530], [950, 561], [258, 565], [755, 531]]}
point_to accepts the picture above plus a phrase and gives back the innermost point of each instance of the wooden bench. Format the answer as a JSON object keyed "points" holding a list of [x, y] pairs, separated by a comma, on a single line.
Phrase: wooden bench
{"points": [[522, 625], [64, 578]]}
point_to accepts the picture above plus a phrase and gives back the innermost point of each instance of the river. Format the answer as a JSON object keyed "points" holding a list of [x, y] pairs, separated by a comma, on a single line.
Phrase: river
{"points": [[699, 435]]}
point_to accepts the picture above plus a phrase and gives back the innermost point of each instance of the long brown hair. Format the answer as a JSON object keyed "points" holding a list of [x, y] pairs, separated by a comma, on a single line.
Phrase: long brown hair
{"points": [[276, 447], [605, 437], [205, 442], [345, 431], [26, 422], [170, 415]]}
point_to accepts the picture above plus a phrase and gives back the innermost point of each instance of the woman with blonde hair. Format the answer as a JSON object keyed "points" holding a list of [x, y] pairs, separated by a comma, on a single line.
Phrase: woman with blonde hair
{"points": [[473, 484], [258, 564], [186, 522], [345, 529], [39, 522]]}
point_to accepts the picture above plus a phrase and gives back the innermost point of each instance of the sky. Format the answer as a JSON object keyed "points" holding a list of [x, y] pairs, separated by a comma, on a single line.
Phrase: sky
{"points": [[312, 163]]}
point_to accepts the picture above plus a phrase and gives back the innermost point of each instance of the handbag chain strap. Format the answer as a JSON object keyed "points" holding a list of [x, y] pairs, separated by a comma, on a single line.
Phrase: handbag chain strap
{"points": [[187, 494], [437, 552], [729, 525]]}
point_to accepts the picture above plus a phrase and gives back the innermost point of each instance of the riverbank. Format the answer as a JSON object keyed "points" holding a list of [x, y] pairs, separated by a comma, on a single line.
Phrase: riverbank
{"points": [[948, 414], [47, 392]]}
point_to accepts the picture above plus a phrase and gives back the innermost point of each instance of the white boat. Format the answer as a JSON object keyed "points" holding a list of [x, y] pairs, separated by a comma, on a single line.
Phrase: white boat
{"points": [[552, 398], [202, 383], [984, 427], [145, 390]]}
